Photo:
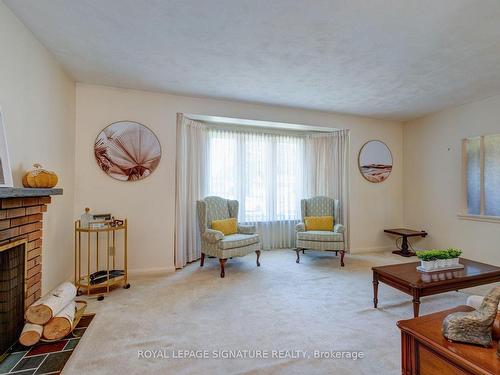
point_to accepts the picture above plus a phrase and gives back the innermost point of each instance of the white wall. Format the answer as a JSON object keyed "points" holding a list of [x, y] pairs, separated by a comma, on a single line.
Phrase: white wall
{"points": [[432, 178], [149, 204], [38, 102]]}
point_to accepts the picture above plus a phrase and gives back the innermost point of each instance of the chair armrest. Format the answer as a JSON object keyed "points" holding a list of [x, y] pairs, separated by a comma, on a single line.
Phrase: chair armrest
{"points": [[247, 229], [212, 236], [338, 228], [300, 227]]}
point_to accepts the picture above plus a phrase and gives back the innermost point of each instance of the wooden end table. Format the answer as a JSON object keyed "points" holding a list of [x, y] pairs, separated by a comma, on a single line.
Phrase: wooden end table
{"points": [[425, 351], [407, 279], [405, 233]]}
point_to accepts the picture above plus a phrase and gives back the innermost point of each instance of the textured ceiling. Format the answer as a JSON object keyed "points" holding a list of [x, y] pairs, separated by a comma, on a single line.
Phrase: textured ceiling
{"points": [[388, 59]]}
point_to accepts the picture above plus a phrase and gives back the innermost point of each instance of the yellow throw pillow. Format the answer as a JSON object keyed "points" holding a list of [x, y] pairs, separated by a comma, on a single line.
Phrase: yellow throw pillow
{"points": [[319, 222], [226, 226]]}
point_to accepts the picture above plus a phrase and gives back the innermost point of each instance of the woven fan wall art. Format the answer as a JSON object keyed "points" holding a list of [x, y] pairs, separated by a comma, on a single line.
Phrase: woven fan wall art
{"points": [[127, 151]]}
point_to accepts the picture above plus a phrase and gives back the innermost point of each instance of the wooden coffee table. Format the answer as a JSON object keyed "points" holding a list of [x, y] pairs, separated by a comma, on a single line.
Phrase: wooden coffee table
{"points": [[407, 279]]}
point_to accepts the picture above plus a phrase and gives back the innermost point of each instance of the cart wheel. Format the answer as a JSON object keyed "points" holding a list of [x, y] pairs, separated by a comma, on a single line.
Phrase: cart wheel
{"points": [[100, 298], [126, 286]]}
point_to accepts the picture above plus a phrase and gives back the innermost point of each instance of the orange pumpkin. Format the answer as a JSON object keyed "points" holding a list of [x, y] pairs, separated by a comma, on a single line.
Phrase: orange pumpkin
{"points": [[40, 178]]}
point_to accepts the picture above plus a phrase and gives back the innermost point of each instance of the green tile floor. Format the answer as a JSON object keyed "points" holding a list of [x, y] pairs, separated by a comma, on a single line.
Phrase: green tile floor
{"points": [[43, 358]]}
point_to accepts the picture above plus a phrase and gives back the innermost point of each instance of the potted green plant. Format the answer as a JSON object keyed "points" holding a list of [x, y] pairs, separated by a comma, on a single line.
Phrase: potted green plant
{"points": [[431, 260], [442, 258], [454, 255], [428, 259]]}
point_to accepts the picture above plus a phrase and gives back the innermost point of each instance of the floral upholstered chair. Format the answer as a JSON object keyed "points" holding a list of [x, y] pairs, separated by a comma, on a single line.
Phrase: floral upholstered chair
{"points": [[214, 242], [320, 240]]}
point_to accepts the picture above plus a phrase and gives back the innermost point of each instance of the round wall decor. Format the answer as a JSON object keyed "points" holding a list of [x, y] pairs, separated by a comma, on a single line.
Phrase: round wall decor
{"points": [[375, 161], [127, 151]]}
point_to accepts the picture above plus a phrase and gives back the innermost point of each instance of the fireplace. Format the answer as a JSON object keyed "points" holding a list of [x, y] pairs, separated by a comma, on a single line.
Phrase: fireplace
{"points": [[21, 223], [12, 292]]}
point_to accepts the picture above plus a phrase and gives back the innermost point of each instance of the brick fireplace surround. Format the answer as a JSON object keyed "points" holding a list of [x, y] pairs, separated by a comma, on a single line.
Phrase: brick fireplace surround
{"points": [[21, 217]]}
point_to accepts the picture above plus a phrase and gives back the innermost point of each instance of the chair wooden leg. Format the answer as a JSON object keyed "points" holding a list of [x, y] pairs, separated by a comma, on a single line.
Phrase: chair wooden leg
{"points": [[336, 253], [202, 259], [303, 251], [342, 252], [298, 256], [222, 273], [258, 256]]}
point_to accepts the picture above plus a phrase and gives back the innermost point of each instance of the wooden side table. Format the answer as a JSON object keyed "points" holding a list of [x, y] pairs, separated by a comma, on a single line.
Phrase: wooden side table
{"points": [[425, 351], [405, 233]]}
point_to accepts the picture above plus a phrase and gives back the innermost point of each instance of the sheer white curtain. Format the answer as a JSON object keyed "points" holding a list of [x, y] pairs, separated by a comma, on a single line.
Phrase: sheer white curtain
{"points": [[327, 170], [191, 177], [264, 172], [267, 171]]}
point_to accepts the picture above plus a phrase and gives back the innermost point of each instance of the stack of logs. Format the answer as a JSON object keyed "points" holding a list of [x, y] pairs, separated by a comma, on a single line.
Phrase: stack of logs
{"points": [[51, 317]]}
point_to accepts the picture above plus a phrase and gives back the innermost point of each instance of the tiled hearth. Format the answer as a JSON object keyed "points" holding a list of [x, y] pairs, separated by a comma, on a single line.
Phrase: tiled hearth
{"points": [[44, 358]]}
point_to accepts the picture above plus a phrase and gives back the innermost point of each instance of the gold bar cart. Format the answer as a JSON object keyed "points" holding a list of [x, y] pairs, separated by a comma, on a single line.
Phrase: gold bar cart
{"points": [[91, 243]]}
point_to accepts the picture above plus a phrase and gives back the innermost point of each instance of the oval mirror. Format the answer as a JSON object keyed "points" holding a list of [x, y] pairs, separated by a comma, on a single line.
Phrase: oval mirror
{"points": [[375, 161]]}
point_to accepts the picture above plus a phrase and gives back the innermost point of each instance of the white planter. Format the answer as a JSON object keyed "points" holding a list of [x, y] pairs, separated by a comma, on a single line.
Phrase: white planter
{"points": [[454, 262], [428, 265], [433, 265]]}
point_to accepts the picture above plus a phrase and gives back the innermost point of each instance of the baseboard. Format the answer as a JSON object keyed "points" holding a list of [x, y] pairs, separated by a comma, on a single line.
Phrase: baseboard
{"points": [[377, 249], [151, 271]]}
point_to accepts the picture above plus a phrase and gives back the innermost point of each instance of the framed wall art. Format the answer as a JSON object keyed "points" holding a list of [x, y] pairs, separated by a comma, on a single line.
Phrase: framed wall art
{"points": [[5, 170], [127, 151], [375, 161]]}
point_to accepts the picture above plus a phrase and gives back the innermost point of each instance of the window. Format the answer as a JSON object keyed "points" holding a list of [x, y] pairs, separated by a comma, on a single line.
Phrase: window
{"points": [[482, 175], [265, 169], [262, 171]]}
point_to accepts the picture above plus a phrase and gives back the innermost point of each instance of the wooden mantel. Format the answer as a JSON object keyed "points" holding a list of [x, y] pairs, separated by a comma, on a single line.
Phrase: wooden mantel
{"points": [[21, 217]]}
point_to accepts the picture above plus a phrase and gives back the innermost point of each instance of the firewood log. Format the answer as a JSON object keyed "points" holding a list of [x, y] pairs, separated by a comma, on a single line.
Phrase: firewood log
{"points": [[51, 304], [61, 324], [30, 334]]}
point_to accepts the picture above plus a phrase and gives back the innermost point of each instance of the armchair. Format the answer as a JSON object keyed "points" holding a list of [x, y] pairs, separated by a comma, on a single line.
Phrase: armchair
{"points": [[320, 240], [215, 243]]}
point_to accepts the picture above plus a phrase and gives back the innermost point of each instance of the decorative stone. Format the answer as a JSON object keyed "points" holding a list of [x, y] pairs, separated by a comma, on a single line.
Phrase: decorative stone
{"points": [[473, 327]]}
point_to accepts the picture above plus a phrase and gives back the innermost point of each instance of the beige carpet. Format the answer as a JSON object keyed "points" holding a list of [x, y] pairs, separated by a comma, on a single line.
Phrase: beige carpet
{"points": [[312, 306]]}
